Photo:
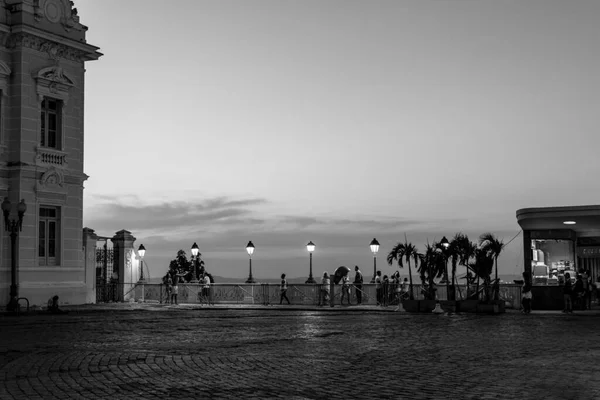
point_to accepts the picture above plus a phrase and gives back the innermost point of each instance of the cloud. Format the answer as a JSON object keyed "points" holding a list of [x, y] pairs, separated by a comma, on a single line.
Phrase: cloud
{"points": [[222, 227], [178, 216]]}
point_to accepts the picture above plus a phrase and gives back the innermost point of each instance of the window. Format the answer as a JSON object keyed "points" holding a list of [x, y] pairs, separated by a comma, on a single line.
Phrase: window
{"points": [[50, 123], [48, 236]]}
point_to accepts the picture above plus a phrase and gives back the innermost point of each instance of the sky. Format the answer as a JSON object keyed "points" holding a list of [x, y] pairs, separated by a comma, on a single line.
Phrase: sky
{"points": [[336, 121]]}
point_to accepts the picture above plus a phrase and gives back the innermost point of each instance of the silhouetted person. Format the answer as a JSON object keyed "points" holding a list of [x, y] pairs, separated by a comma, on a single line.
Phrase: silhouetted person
{"points": [[53, 306], [378, 288], [325, 282], [358, 281], [283, 290], [345, 289], [568, 294]]}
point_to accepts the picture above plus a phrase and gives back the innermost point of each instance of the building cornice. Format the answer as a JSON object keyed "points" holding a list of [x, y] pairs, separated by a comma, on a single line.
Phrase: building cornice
{"points": [[56, 46]]}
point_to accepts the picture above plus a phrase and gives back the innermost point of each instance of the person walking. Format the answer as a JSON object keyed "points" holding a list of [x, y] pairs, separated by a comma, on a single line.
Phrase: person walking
{"points": [[325, 282], [567, 294], [358, 281], [378, 288], [345, 289], [283, 290]]}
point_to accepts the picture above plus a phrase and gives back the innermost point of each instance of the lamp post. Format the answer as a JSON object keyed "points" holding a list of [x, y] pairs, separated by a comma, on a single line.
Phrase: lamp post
{"points": [[310, 247], [374, 249], [250, 250], [14, 227], [445, 244], [195, 250], [141, 252], [142, 281]]}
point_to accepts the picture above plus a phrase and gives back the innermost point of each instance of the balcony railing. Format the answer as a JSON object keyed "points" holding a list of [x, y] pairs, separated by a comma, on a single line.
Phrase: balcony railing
{"points": [[298, 294], [51, 156]]}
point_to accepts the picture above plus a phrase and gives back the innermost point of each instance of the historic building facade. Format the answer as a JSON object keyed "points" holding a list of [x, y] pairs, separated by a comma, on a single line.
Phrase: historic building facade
{"points": [[42, 55]]}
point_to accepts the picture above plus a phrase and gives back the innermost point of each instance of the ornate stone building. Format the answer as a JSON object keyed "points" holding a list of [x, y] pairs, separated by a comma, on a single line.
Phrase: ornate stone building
{"points": [[42, 55]]}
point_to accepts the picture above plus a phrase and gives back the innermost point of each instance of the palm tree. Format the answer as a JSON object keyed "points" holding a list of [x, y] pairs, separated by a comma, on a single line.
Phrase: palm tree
{"points": [[467, 252], [462, 251], [404, 252], [432, 264], [493, 247], [482, 268]]}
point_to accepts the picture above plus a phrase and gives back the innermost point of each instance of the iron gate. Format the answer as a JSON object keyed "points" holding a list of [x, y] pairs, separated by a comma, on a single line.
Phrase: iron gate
{"points": [[106, 283]]}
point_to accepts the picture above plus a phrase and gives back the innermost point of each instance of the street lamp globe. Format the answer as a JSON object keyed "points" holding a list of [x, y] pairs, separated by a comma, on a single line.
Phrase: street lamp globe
{"points": [[445, 242], [250, 248], [310, 247], [374, 246], [195, 249], [141, 250]]}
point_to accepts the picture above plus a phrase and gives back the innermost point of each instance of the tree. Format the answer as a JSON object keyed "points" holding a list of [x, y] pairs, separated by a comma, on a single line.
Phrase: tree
{"points": [[461, 250], [404, 252], [482, 267], [180, 266], [493, 247], [467, 250], [432, 263]]}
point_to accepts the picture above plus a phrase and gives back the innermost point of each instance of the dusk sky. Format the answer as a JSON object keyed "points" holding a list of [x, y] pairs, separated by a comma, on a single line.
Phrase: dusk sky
{"points": [[335, 121]]}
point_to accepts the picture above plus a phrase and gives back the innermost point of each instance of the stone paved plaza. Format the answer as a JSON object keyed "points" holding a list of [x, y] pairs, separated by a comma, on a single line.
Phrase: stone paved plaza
{"points": [[179, 352]]}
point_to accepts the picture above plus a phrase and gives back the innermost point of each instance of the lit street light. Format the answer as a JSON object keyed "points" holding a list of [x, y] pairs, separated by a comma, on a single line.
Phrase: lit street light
{"points": [[445, 244], [14, 227], [374, 249], [310, 247], [195, 251], [250, 250], [141, 252]]}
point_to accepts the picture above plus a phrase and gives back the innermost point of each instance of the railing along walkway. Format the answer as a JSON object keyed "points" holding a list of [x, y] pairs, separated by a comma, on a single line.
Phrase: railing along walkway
{"points": [[305, 294]]}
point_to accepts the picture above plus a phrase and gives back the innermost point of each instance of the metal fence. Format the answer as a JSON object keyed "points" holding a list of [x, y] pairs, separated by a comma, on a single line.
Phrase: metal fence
{"points": [[298, 294]]}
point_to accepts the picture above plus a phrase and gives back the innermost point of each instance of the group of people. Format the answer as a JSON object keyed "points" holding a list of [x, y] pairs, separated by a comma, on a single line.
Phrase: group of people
{"points": [[389, 290], [578, 294], [172, 280]]}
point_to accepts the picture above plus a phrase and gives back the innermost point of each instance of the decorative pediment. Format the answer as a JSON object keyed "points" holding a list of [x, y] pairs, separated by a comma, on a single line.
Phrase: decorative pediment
{"points": [[51, 186], [54, 82], [55, 74], [52, 177]]}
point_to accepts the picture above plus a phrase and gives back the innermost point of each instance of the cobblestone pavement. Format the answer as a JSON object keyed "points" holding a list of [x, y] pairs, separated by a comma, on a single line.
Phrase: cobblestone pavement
{"points": [[276, 353]]}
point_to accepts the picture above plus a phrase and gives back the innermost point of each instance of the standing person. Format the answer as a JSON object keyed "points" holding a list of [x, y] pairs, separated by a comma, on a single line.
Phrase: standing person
{"points": [[590, 288], [175, 290], [325, 282], [378, 288], [283, 290], [526, 295], [567, 294], [586, 291], [168, 286], [397, 287], [404, 289], [345, 289], [386, 289], [579, 292], [358, 281], [206, 288]]}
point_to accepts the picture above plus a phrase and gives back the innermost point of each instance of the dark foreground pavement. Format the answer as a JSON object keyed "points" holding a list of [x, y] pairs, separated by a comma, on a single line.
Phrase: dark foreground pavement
{"points": [[179, 352]]}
